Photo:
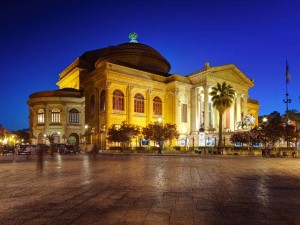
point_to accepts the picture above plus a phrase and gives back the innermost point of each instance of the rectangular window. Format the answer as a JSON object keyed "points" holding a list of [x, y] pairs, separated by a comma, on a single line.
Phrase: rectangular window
{"points": [[184, 113], [41, 118], [55, 117]]}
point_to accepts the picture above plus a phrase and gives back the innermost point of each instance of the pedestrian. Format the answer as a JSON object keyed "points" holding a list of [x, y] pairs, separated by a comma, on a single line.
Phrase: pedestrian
{"points": [[40, 156], [52, 151], [95, 150]]}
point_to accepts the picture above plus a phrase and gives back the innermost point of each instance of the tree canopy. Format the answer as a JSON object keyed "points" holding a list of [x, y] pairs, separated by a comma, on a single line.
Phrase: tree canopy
{"points": [[122, 133], [159, 132]]}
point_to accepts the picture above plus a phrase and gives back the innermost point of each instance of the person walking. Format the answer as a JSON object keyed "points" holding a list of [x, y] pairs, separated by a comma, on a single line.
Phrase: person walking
{"points": [[95, 150], [40, 158]]}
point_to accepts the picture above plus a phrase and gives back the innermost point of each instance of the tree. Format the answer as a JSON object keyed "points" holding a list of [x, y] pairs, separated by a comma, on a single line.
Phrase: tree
{"points": [[247, 137], [289, 134], [222, 98], [159, 133], [23, 135], [123, 133], [272, 130]]}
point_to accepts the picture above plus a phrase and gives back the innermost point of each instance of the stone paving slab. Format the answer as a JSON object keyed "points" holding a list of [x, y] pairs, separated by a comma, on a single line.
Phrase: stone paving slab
{"points": [[149, 189]]}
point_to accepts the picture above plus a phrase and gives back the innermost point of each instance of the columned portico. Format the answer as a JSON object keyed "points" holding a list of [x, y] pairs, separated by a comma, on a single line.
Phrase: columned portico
{"points": [[204, 115]]}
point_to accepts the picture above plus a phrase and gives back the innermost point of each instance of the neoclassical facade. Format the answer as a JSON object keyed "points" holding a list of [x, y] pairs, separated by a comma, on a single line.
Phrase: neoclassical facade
{"points": [[59, 113], [131, 82]]}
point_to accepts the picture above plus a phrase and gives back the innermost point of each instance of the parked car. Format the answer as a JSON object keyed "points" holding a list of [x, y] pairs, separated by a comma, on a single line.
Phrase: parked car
{"points": [[70, 149], [26, 149], [58, 147], [6, 149]]}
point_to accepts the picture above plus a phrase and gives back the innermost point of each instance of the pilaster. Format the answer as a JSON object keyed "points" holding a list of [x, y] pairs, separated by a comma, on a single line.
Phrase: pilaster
{"points": [[149, 107], [108, 105], [206, 107], [130, 101]]}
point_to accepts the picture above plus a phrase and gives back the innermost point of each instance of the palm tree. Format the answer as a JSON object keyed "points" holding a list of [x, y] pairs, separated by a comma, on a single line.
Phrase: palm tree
{"points": [[222, 98]]}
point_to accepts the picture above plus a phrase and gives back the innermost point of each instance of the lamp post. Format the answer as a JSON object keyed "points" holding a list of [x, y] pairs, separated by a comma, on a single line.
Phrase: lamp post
{"points": [[85, 134]]}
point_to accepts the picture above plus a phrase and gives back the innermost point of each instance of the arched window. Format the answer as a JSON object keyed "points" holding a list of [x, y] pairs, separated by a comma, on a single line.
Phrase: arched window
{"points": [[157, 106], [102, 101], [55, 116], [118, 100], [139, 103], [74, 116], [92, 106], [41, 116]]}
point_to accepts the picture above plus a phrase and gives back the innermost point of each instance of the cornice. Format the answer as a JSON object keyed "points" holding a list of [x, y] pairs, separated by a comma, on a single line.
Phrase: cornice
{"points": [[118, 77]]}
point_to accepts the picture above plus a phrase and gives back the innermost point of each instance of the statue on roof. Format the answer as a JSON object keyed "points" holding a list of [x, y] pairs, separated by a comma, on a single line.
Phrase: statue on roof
{"points": [[133, 36]]}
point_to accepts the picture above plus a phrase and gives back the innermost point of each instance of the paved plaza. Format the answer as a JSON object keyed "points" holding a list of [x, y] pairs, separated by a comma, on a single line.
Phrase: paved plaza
{"points": [[149, 190]]}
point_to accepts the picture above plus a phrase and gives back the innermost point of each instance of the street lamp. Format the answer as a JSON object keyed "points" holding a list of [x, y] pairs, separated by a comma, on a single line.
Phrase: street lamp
{"points": [[85, 134], [265, 120]]}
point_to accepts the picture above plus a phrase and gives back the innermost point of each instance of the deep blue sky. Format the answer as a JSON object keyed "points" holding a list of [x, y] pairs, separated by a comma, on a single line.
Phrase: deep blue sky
{"points": [[40, 38]]}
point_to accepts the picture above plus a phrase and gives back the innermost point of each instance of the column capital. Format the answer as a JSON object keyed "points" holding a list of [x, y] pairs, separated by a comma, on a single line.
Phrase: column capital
{"points": [[194, 90], [206, 87], [175, 92], [130, 88], [107, 85]]}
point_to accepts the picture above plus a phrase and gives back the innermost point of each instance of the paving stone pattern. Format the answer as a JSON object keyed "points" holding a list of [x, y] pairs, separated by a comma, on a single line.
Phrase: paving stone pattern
{"points": [[149, 190]]}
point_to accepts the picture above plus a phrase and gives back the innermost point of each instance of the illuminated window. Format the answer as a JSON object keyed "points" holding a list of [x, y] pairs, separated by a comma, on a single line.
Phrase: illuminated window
{"points": [[157, 106], [102, 101], [139, 103], [41, 116], [118, 100], [184, 113], [55, 113], [74, 116], [92, 106]]}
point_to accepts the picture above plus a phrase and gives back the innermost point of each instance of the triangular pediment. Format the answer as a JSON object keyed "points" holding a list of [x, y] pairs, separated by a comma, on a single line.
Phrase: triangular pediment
{"points": [[229, 73]]}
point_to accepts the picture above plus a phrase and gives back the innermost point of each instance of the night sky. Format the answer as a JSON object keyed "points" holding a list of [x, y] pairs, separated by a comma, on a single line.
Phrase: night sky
{"points": [[40, 38]]}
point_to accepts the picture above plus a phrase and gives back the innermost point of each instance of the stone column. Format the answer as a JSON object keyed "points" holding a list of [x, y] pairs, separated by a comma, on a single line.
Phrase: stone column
{"points": [[193, 109], [108, 105], [197, 110], [231, 118], [238, 108], [175, 107], [206, 107], [245, 105], [65, 123], [47, 119], [201, 111], [149, 107], [216, 118], [130, 102]]}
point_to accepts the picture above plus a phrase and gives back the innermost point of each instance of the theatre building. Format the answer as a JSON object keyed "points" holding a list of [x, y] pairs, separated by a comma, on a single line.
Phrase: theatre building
{"points": [[131, 82]]}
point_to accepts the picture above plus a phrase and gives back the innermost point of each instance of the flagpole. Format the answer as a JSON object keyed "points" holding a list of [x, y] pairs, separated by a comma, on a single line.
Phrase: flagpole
{"points": [[287, 100]]}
